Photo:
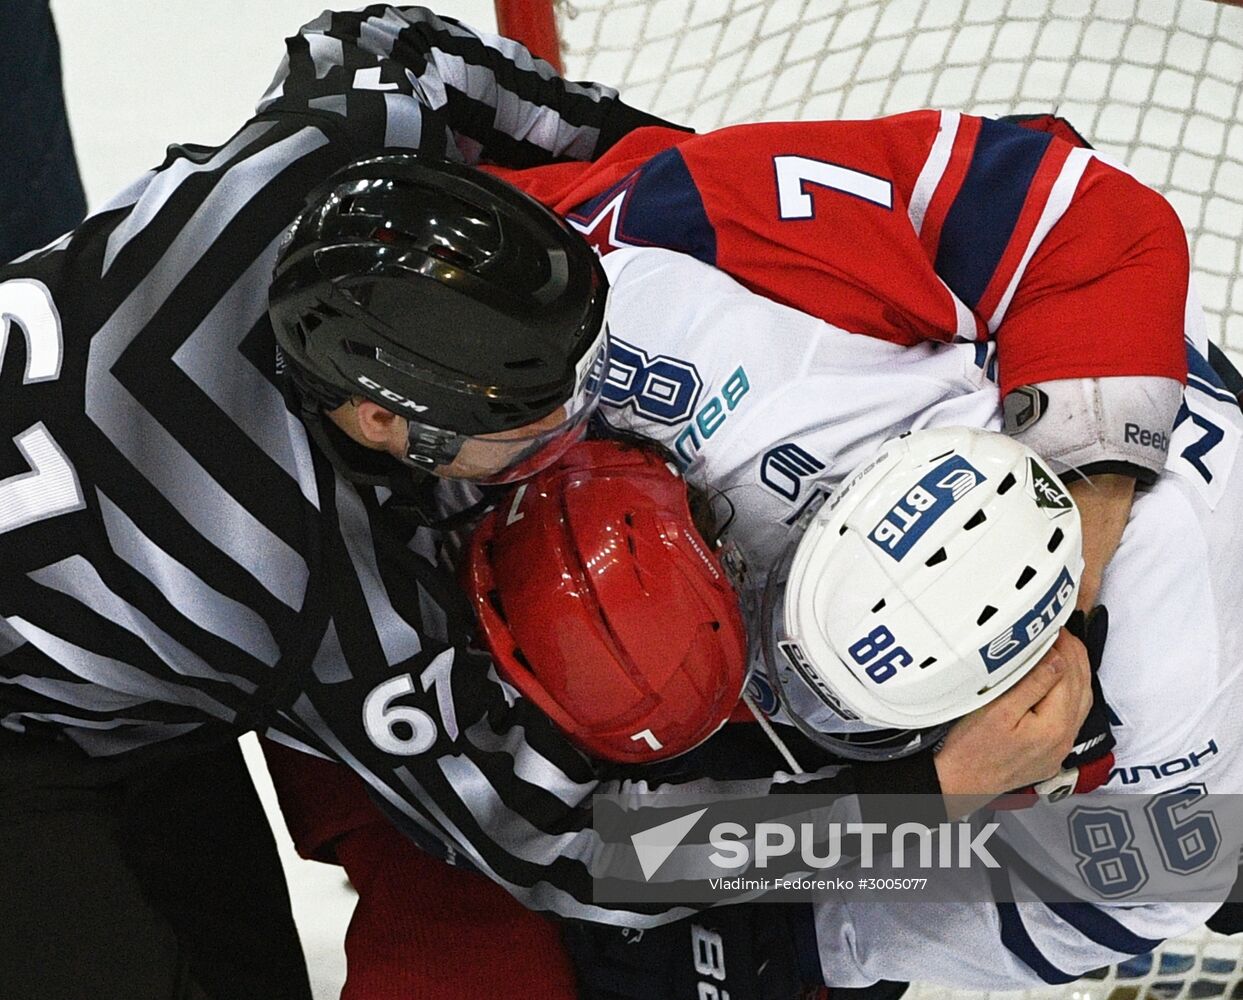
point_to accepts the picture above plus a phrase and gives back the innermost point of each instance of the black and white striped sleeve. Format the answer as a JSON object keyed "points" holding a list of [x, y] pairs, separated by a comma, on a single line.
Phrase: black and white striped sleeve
{"points": [[472, 772], [404, 78], [466, 767]]}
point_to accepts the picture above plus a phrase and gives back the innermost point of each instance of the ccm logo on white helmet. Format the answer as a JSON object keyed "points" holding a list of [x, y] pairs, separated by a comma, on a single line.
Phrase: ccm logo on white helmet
{"points": [[392, 397], [1031, 626], [911, 517]]}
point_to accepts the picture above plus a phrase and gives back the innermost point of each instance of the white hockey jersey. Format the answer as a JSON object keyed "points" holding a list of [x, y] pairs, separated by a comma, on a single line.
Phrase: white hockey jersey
{"points": [[770, 407]]}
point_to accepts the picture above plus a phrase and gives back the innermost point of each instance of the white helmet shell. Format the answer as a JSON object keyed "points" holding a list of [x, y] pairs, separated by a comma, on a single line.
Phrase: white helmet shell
{"points": [[935, 577]]}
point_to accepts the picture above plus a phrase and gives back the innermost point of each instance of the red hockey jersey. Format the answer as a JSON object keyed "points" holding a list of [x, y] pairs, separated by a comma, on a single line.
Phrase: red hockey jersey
{"points": [[931, 225]]}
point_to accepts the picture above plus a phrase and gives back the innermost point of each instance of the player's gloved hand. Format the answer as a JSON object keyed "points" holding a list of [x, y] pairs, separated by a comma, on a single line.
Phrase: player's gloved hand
{"points": [[757, 951], [1023, 736], [1091, 757]]}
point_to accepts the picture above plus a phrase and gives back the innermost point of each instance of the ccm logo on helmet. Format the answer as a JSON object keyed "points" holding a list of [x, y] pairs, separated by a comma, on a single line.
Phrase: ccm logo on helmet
{"points": [[392, 397], [1027, 629], [911, 517]]}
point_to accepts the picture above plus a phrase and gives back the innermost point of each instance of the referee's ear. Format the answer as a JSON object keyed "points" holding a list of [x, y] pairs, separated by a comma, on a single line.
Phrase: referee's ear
{"points": [[371, 425]]}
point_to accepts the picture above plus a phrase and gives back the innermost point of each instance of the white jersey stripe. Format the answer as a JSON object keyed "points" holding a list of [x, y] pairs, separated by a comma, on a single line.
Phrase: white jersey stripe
{"points": [[209, 609], [529, 764], [933, 170], [248, 399], [398, 640], [117, 676], [161, 186], [77, 693], [75, 577], [326, 52], [145, 734], [510, 829], [1059, 200]]}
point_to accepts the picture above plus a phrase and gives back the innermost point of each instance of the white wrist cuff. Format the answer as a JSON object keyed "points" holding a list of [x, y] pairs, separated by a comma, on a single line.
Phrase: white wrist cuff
{"points": [[1081, 423]]}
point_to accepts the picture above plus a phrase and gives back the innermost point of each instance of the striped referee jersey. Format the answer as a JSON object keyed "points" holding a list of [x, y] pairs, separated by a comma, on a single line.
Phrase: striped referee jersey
{"points": [[178, 564]]}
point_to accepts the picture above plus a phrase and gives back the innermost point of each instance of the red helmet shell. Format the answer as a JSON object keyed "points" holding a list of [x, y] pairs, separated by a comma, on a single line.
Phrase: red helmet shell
{"points": [[604, 607]]}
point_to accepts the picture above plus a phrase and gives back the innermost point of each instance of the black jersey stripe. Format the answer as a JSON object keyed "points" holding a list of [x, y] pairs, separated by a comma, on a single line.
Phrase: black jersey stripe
{"points": [[162, 185]]}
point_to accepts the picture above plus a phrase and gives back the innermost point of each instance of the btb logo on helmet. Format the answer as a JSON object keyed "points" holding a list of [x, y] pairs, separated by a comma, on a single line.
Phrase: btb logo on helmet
{"points": [[1031, 626], [911, 517]]}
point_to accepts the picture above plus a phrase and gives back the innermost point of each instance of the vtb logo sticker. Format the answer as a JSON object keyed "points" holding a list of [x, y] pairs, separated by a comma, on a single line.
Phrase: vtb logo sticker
{"points": [[924, 504], [1030, 626]]}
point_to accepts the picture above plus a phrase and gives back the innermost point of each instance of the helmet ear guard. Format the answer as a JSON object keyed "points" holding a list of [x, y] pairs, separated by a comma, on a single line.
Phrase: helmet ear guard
{"points": [[961, 556], [648, 655]]}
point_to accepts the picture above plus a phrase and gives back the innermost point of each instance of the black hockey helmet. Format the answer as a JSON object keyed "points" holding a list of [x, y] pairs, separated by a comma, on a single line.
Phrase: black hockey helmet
{"points": [[444, 295]]}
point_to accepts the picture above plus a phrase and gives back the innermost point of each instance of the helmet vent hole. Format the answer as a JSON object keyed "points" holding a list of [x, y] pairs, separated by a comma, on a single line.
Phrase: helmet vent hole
{"points": [[937, 557], [928, 662], [1055, 539], [451, 256], [879, 606], [628, 517], [525, 363], [986, 614], [715, 626], [521, 657], [1025, 578], [1006, 483], [842, 530], [978, 518]]}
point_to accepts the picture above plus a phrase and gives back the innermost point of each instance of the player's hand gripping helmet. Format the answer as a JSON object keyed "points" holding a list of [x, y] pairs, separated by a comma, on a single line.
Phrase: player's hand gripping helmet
{"points": [[602, 605], [933, 579], [450, 298]]}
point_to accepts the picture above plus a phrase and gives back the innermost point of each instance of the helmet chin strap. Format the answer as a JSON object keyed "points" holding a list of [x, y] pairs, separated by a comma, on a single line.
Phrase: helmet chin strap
{"points": [[771, 733], [411, 487]]}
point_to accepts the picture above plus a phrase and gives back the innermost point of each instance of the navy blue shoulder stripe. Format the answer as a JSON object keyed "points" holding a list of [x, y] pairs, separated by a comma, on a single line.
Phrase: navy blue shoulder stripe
{"points": [[1016, 939], [664, 209], [1096, 925], [983, 216]]}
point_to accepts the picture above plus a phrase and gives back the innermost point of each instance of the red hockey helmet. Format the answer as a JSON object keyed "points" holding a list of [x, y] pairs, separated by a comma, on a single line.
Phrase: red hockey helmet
{"points": [[602, 605]]}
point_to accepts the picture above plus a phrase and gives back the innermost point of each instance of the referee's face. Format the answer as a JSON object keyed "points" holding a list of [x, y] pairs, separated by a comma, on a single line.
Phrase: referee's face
{"points": [[481, 458], [485, 456]]}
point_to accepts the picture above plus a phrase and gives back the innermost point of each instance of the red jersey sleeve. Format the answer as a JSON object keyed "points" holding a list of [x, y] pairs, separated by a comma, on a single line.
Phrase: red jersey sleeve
{"points": [[924, 226], [1106, 291]]}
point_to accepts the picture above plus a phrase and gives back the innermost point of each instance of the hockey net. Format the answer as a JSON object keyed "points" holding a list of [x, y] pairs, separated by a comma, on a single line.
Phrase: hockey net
{"points": [[1158, 85]]}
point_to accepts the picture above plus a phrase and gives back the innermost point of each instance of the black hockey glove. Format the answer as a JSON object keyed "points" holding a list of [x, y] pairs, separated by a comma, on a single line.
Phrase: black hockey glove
{"points": [[763, 951], [1095, 739]]}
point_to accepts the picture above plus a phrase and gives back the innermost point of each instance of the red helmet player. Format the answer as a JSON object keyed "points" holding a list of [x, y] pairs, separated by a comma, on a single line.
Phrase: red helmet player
{"points": [[603, 606]]}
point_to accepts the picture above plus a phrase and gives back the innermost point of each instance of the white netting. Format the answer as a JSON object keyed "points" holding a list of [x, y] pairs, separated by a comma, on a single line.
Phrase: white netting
{"points": [[1156, 83]]}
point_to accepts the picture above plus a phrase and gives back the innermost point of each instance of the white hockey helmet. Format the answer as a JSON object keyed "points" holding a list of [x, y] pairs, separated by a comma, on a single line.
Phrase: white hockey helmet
{"points": [[932, 580]]}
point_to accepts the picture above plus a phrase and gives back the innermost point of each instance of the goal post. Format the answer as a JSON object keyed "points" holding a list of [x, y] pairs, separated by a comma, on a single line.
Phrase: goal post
{"points": [[534, 24]]}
